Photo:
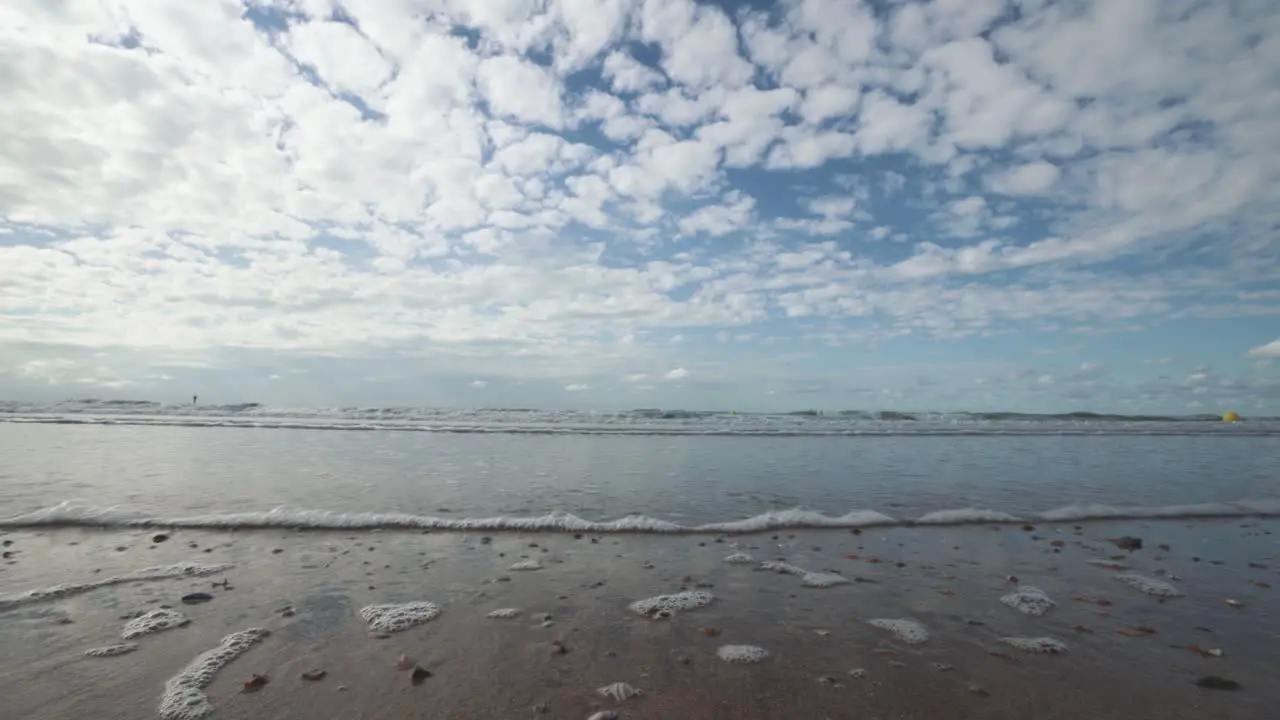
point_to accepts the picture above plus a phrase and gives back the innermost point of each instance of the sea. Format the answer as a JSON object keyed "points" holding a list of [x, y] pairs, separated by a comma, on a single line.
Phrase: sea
{"points": [[127, 463]]}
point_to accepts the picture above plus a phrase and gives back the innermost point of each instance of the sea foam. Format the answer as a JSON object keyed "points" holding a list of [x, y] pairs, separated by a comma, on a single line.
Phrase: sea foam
{"points": [[158, 572], [154, 621], [742, 654], [1028, 599], [111, 650], [1045, 645], [664, 606], [72, 514], [184, 697], [395, 617], [1150, 586], [907, 630]]}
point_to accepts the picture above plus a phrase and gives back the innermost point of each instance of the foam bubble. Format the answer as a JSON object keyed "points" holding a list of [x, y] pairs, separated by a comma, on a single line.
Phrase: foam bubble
{"points": [[111, 650], [395, 617], [822, 580], [184, 697], [619, 691], [1045, 645], [155, 621], [663, 606], [1150, 586], [526, 565], [1029, 599], [158, 572], [740, 558], [504, 613], [907, 630], [742, 654], [783, 568]]}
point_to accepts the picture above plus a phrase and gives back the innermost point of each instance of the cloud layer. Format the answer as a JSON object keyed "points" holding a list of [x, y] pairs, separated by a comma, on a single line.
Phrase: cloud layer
{"points": [[594, 195]]}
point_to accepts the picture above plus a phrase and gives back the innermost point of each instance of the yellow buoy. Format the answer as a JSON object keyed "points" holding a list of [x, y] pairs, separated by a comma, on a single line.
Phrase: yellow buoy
{"points": [[1232, 416]]}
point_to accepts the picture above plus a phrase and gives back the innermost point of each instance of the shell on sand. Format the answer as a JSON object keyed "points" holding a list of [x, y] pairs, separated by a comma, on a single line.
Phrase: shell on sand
{"points": [[526, 565], [619, 691], [604, 715], [740, 558], [503, 613]]}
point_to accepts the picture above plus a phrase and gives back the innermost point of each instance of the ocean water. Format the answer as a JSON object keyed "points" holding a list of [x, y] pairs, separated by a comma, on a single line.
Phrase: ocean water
{"points": [[90, 462]]}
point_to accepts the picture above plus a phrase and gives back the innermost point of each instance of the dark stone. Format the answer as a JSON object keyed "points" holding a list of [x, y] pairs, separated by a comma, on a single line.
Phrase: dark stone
{"points": [[1213, 682], [159, 538], [196, 598]]}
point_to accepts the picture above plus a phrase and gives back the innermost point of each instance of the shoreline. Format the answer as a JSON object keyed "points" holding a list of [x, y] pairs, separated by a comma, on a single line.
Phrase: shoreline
{"points": [[949, 578], [69, 515]]}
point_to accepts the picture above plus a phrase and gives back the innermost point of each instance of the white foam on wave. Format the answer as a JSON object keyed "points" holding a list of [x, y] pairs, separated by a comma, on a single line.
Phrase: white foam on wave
{"points": [[963, 516], [1150, 586], [782, 568], [742, 654], [157, 620], [157, 572], [822, 580], [395, 617], [740, 558], [1029, 599], [1046, 645], [905, 629], [808, 578], [73, 514], [664, 606], [1241, 508], [184, 697]]}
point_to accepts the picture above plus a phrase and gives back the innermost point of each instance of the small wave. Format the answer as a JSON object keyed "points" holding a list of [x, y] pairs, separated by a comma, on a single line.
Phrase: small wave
{"points": [[73, 515]]}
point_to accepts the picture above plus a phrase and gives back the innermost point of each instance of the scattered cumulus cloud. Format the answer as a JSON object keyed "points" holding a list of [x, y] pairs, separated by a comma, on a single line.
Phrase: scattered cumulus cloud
{"points": [[559, 195], [1269, 350]]}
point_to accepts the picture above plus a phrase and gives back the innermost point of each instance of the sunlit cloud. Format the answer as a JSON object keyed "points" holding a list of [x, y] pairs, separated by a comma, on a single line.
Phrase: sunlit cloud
{"points": [[589, 197]]}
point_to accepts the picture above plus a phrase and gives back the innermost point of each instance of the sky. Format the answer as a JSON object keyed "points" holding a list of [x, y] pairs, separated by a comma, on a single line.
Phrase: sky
{"points": [[606, 204]]}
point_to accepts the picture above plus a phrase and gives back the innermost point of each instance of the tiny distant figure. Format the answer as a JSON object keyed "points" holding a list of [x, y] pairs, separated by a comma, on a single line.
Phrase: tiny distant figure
{"points": [[195, 399]]}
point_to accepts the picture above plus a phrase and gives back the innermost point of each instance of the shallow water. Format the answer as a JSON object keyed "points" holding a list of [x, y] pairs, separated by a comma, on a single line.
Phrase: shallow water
{"points": [[949, 579], [172, 472]]}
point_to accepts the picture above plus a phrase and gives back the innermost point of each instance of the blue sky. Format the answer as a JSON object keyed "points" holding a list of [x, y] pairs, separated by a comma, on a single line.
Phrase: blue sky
{"points": [[978, 204]]}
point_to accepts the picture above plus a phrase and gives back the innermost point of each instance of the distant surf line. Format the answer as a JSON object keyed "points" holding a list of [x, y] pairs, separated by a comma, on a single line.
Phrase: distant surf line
{"points": [[73, 515], [1181, 429]]}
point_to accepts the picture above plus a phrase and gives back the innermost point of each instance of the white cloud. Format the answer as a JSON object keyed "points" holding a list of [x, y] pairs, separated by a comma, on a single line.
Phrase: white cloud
{"points": [[479, 384], [1030, 179], [1270, 350], [676, 374], [628, 75], [189, 182], [577, 387]]}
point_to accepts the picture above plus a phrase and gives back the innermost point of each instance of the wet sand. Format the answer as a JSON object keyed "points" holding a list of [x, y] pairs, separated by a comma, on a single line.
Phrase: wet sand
{"points": [[950, 579]]}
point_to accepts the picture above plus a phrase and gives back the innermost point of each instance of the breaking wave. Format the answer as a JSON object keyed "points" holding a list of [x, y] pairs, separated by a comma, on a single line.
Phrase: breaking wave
{"points": [[74, 515], [632, 422]]}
